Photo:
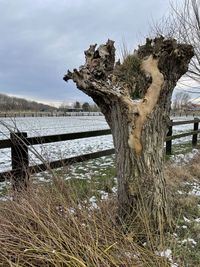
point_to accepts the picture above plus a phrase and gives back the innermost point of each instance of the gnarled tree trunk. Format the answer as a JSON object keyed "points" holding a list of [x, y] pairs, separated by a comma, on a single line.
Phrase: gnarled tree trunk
{"points": [[135, 98]]}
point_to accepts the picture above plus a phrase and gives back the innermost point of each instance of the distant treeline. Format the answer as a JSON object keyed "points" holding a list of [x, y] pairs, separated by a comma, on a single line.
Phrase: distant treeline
{"points": [[79, 107], [16, 104], [9, 103]]}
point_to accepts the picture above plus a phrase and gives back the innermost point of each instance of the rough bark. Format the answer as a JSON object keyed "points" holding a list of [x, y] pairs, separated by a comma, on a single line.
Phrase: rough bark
{"points": [[139, 125]]}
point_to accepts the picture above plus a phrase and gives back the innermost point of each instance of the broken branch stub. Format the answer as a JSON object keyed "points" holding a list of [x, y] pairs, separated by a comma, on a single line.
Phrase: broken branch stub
{"points": [[99, 64]]}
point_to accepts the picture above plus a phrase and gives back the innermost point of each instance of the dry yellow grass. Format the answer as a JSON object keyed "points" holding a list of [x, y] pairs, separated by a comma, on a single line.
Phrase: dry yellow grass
{"points": [[48, 227], [45, 228]]}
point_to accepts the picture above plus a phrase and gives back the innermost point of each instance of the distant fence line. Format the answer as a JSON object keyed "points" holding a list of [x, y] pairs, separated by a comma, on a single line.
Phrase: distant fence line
{"points": [[48, 114], [19, 144], [185, 113], [179, 113]]}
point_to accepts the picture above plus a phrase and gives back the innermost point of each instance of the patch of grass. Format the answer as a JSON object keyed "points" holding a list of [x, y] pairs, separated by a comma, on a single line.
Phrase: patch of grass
{"points": [[87, 179], [105, 181], [82, 189], [184, 186], [79, 188], [47, 228], [55, 224], [4, 190], [183, 148]]}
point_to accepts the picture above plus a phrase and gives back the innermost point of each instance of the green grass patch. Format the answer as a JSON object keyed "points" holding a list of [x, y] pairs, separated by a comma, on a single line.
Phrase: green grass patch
{"points": [[83, 189], [185, 241], [181, 149]]}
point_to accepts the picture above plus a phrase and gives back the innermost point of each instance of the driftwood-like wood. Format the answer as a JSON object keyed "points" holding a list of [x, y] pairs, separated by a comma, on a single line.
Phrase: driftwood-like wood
{"points": [[135, 98]]}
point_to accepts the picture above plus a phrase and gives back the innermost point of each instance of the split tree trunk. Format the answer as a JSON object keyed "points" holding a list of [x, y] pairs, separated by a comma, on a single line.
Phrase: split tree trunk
{"points": [[135, 98]]}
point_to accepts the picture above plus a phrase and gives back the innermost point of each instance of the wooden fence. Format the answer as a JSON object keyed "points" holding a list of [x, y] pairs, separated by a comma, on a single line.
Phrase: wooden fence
{"points": [[19, 144]]}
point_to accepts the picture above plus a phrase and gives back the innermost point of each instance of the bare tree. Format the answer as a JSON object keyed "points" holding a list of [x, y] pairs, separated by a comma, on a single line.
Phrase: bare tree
{"points": [[187, 21], [135, 98], [86, 106], [181, 100], [8, 103], [77, 105], [63, 106], [183, 23]]}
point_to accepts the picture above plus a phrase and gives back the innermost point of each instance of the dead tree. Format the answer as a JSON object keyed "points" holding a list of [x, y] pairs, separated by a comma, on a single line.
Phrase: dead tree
{"points": [[135, 98], [183, 24]]}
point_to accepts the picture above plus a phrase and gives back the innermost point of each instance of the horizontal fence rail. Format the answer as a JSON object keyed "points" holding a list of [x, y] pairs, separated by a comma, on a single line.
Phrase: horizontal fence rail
{"points": [[56, 138], [19, 143], [58, 163]]}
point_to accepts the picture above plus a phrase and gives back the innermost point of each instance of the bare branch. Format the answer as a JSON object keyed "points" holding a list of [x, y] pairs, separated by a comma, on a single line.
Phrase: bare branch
{"points": [[183, 24]]}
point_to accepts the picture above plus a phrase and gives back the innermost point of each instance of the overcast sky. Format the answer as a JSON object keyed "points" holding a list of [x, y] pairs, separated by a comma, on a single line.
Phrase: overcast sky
{"points": [[41, 39]]}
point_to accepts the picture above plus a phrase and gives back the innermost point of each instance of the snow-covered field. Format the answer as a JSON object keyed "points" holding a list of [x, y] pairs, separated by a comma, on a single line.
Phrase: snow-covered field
{"points": [[57, 125]]}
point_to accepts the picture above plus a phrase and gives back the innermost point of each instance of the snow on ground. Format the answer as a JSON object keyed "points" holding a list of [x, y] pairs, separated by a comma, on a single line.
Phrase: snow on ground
{"points": [[184, 158], [84, 170], [39, 126], [167, 254]]}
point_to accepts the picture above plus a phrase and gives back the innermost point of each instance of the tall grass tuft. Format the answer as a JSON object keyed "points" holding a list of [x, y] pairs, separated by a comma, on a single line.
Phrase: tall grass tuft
{"points": [[45, 227]]}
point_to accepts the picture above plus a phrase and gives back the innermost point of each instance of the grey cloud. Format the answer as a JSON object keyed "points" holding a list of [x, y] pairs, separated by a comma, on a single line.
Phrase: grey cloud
{"points": [[40, 40]]}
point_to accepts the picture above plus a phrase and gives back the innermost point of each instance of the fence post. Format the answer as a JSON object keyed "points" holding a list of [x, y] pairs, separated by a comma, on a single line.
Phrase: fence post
{"points": [[169, 142], [20, 160], [194, 136]]}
